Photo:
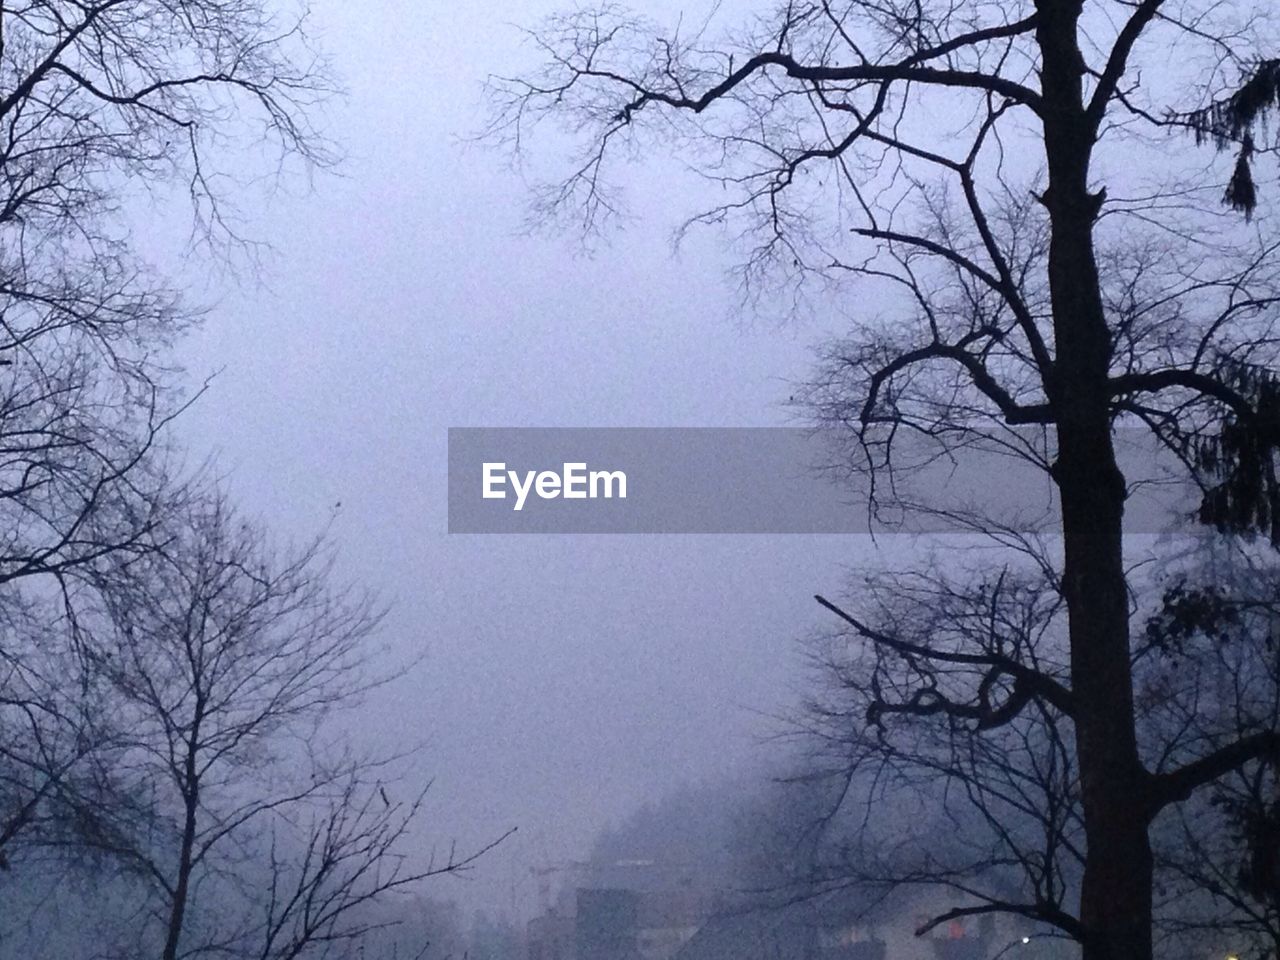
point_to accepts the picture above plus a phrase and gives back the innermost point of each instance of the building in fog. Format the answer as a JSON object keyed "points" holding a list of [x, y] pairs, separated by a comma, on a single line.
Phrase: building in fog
{"points": [[616, 923], [551, 936]]}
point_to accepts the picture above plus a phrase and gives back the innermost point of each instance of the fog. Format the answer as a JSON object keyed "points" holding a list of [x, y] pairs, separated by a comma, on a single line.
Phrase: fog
{"points": [[563, 681], [281, 676]]}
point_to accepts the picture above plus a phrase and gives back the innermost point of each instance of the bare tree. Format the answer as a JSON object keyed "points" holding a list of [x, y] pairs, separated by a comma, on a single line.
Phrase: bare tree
{"points": [[101, 102], [983, 171], [223, 659]]}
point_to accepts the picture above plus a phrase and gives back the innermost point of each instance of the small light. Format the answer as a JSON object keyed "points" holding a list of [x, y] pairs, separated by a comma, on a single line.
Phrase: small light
{"points": [[1028, 940], [1232, 956]]}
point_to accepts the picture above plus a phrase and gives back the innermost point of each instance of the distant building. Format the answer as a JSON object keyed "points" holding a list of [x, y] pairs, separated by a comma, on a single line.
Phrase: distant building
{"points": [[607, 925], [612, 923], [667, 920], [652, 920]]}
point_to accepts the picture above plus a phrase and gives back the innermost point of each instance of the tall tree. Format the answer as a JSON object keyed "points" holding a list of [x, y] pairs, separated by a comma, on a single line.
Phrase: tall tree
{"points": [[1003, 177], [224, 659], [103, 103]]}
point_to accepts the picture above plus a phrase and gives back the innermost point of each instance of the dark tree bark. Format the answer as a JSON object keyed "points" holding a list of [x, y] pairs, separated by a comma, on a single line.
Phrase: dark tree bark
{"points": [[1115, 899]]}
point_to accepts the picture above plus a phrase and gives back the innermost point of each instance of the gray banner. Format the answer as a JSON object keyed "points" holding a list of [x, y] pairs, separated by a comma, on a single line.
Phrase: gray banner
{"points": [[770, 480]]}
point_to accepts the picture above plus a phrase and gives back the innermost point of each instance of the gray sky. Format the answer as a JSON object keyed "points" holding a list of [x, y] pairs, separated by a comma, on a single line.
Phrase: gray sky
{"points": [[565, 680]]}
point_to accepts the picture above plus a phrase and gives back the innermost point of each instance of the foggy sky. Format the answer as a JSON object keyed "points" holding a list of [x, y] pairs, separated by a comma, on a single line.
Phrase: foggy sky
{"points": [[564, 680]]}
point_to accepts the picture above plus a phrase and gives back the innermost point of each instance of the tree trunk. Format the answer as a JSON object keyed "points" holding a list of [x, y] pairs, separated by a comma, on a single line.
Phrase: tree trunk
{"points": [[181, 888], [1115, 907]]}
